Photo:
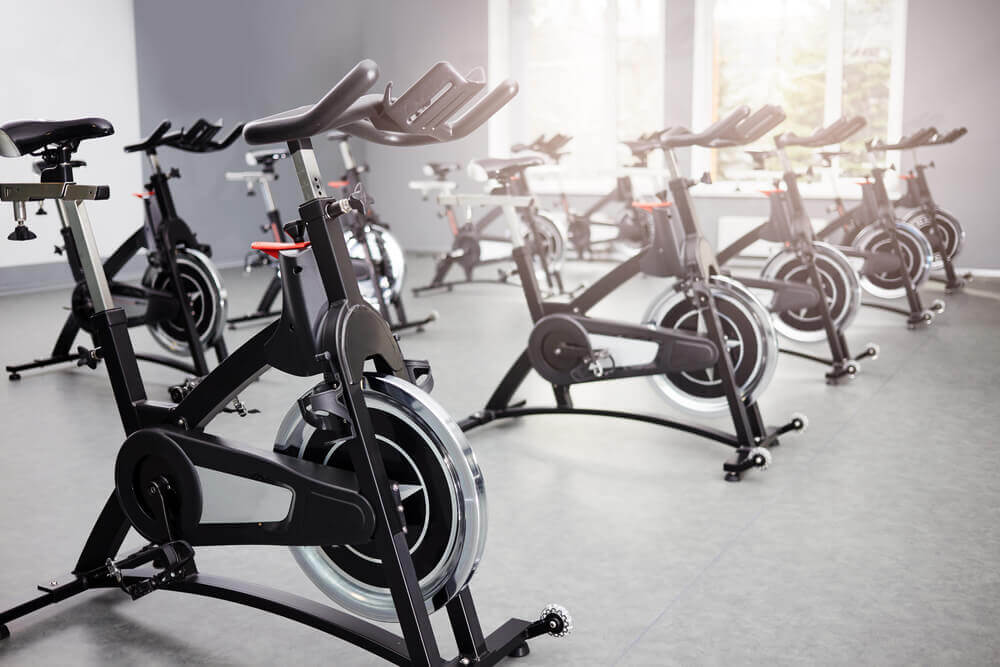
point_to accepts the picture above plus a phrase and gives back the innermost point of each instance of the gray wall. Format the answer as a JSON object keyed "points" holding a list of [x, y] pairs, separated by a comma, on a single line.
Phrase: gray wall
{"points": [[951, 80], [418, 35], [239, 60], [246, 58]]}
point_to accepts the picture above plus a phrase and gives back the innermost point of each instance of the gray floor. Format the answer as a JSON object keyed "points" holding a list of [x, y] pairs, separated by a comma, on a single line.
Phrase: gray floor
{"points": [[873, 539]]}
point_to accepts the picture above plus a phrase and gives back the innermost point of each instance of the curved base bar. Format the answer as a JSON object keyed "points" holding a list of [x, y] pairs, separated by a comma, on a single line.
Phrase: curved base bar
{"points": [[486, 416]]}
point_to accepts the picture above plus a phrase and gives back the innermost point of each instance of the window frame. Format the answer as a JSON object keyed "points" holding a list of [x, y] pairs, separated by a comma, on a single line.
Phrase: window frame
{"points": [[702, 93], [549, 180]]}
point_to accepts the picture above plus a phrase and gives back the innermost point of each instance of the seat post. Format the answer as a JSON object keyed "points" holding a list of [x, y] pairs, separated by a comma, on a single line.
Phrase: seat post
{"points": [[74, 215]]}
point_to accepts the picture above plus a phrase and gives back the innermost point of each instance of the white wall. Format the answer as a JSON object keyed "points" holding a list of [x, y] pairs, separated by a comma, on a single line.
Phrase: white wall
{"points": [[93, 73]]}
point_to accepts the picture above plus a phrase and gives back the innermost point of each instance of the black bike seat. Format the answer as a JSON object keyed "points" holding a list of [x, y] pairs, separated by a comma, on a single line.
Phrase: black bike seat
{"points": [[21, 137], [500, 166], [443, 168]]}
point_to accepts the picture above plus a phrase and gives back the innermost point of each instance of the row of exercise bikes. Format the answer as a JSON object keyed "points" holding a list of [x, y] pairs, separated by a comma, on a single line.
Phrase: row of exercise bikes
{"points": [[383, 501]]}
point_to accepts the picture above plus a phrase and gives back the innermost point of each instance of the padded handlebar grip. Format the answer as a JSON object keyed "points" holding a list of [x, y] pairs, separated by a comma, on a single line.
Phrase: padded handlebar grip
{"points": [[153, 139], [485, 108], [309, 121], [758, 124], [679, 136]]}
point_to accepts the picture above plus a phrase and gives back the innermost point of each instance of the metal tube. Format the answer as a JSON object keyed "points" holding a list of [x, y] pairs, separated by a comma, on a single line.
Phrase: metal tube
{"points": [[307, 169], [75, 215]]}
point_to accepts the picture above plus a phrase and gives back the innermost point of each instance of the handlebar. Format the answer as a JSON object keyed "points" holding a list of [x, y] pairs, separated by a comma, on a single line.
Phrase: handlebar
{"points": [[922, 137], [834, 133], [678, 137], [948, 138], [753, 127], [197, 139], [419, 116]]}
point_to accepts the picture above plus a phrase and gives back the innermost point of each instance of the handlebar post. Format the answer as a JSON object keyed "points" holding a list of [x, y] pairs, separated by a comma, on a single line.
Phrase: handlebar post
{"points": [[154, 162], [265, 190], [672, 166], [346, 155]]}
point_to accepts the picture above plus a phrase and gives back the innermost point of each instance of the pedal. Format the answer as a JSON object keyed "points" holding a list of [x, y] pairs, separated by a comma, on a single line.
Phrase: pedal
{"points": [[179, 391], [240, 408], [175, 560], [595, 362]]}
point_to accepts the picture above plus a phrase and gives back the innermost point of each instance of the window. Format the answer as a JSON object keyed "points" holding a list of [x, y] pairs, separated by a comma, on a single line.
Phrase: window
{"points": [[592, 69], [818, 59]]}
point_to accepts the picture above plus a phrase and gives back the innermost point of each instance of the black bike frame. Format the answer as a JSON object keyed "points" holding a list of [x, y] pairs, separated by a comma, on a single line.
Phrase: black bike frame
{"points": [[353, 317]]}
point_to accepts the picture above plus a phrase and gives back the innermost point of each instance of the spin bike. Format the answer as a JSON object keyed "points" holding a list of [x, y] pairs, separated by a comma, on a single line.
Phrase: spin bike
{"points": [[710, 350], [629, 226], [872, 227], [369, 239], [261, 179], [473, 242], [381, 500], [801, 258], [941, 228], [180, 299]]}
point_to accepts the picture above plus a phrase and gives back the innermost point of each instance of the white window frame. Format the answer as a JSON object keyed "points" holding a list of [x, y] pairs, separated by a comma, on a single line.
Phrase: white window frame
{"points": [[546, 179], [702, 101]]}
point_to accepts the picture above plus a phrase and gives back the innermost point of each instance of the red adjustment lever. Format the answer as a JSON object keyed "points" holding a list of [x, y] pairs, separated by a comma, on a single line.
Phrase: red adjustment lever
{"points": [[907, 177], [338, 184], [650, 205], [143, 195], [768, 193], [272, 248]]}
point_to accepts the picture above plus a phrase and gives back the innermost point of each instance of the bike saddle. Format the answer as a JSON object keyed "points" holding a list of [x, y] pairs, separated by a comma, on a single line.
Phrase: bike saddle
{"points": [[441, 169], [505, 167], [22, 137]]}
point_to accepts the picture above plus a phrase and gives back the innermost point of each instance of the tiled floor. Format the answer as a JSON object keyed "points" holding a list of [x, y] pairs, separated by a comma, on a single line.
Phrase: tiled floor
{"points": [[873, 539]]}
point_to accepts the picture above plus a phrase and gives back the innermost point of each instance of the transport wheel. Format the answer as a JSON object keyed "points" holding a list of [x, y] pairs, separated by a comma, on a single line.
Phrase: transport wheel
{"points": [[557, 620], [441, 492], [840, 287], [206, 297], [917, 258], [750, 339], [948, 226], [387, 252]]}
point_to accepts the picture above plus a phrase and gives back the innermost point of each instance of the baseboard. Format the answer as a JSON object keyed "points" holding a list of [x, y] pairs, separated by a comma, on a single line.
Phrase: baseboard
{"points": [[33, 278]]}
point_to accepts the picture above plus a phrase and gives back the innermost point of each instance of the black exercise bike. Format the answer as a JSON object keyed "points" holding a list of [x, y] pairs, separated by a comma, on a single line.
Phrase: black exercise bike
{"points": [[380, 495], [368, 240], [591, 233], [802, 258], [873, 227], [180, 299], [475, 246], [708, 344], [941, 228]]}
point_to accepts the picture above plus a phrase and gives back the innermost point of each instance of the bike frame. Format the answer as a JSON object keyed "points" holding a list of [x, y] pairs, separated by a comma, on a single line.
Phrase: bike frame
{"points": [[160, 235], [358, 342]]}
